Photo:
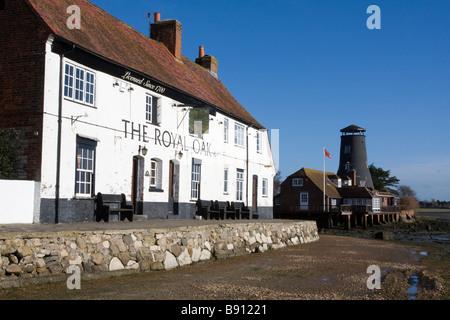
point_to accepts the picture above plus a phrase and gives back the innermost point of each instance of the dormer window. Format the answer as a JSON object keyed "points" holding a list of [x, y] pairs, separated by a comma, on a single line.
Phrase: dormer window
{"points": [[337, 182]]}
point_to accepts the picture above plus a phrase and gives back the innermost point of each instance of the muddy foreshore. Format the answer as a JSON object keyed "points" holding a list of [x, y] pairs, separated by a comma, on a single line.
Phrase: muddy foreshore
{"points": [[414, 265], [427, 238]]}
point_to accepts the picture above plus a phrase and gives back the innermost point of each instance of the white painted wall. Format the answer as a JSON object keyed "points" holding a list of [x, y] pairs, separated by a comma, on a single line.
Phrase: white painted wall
{"points": [[19, 201]]}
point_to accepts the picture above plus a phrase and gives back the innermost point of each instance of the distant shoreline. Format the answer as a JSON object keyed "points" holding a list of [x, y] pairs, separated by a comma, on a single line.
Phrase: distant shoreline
{"points": [[440, 213]]}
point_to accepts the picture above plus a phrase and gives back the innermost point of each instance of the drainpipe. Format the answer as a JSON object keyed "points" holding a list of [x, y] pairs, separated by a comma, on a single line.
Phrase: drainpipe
{"points": [[58, 148], [246, 165]]}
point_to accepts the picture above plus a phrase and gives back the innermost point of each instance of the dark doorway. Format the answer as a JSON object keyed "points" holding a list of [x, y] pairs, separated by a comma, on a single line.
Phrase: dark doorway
{"points": [[255, 194], [137, 188], [174, 178]]}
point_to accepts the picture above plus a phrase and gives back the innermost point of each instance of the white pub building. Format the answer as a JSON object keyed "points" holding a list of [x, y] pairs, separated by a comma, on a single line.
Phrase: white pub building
{"points": [[117, 112]]}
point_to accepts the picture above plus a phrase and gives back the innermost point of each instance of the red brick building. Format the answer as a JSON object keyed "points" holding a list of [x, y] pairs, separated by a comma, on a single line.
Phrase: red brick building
{"points": [[302, 196], [302, 193], [22, 69]]}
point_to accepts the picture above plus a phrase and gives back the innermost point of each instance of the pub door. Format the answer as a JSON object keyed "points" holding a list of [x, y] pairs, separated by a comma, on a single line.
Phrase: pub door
{"points": [[174, 182], [255, 193], [137, 185]]}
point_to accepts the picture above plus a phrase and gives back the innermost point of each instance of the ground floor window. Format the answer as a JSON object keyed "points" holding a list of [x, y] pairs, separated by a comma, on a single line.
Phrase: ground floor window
{"points": [[376, 205], [304, 201], [153, 173], [195, 181], [303, 198], [264, 187], [85, 167], [239, 184], [225, 180]]}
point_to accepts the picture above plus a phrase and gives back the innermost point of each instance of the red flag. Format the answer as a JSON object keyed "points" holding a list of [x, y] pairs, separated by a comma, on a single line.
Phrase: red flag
{"points": [[326, 153]]}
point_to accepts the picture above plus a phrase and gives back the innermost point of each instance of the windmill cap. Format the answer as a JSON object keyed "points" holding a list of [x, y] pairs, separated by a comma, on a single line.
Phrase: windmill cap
{"points": [[353, 128]]}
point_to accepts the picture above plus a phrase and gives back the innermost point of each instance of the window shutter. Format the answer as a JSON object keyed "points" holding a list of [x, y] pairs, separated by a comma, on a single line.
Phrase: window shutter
{"points": [[157, 111]]}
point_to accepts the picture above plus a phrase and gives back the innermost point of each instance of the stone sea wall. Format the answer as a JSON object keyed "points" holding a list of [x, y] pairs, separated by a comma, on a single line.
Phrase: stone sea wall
{"points": [[29, 255]]}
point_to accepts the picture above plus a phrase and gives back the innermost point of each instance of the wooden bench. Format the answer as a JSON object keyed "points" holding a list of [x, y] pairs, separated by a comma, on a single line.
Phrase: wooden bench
{"points": [[214, 211], [242, 212], [226, 212], [206, 209], [108, 205], [202, 208]]}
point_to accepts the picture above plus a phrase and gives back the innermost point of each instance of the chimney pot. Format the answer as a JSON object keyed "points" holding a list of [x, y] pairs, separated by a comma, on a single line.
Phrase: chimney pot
{"points": [[201, 52], [157, 16]]}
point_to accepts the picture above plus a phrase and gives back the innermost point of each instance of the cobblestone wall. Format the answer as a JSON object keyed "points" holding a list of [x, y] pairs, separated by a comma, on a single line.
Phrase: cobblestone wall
{"points": [[27, 255]]}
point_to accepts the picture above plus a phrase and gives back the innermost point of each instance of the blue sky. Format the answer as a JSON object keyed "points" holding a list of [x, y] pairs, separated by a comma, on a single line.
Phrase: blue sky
{"points": [[312, 67]]}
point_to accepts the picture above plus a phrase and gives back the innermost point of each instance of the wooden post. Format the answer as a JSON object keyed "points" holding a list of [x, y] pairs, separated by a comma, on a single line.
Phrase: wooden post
{"points": [[353, 221]]}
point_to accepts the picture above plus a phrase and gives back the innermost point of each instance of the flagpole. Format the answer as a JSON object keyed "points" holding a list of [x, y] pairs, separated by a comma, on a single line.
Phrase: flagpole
{"points": [[324, 178]]}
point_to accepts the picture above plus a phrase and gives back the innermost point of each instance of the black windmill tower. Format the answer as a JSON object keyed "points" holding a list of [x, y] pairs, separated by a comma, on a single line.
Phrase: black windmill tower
{"points": [[354, 156]]}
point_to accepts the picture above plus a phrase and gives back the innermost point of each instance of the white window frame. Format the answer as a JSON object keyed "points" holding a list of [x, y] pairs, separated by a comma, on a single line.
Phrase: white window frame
{"points": [[376, 205], [89, 88], [225, 130], [304, 201], [239, 135], [239, 184], [78, 92], [297, 182], [304, 198], [195, 181], [265, 186], [153, 173], [149, 108], [79, 84], [69, 73], [258, 142], [225, 180], [84, 170]]}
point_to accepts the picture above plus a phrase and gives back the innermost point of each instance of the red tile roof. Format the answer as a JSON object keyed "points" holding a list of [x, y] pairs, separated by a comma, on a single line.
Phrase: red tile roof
{"points": [[112, 39]]}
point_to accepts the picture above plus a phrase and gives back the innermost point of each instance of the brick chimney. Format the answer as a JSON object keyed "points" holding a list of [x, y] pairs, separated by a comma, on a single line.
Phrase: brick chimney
{"points": [[206, 61], [168, 32]]}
